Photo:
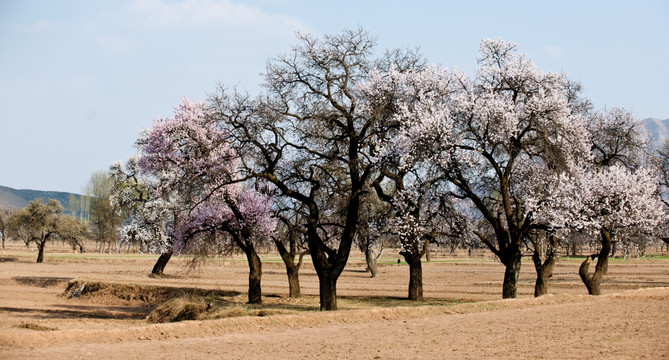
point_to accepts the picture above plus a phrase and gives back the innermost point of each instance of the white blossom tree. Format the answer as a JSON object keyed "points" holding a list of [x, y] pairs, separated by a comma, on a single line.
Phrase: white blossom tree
{"points": [[609, 203], [483, 132], [149, 220]]}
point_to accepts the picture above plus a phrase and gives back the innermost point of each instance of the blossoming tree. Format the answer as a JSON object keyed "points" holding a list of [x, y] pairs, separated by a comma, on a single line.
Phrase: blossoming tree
{"points": [[481, 133], [149, 220], [609, 203], [193, 172]]}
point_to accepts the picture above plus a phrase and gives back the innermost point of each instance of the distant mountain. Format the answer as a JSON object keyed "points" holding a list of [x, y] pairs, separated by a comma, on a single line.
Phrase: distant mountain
{"points": [[18, 199], [658, 130]]}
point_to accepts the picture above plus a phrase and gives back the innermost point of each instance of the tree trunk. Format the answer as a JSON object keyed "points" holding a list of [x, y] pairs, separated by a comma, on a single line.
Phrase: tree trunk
{"points": [[415, 276], [292, 269], [544, 272], [593, 282], [159, 267], [545, 269], [40, 252], [371, 259], [511, 272], [255, 274], [293, 282], [328, 291]]}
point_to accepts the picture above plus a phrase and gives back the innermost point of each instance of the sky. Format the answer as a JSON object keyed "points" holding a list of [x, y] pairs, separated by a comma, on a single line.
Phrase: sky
{"points": [[80, 79]]}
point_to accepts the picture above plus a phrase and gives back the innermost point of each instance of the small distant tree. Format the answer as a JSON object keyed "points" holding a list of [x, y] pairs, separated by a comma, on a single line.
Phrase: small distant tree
{"points": [[39, 223], [105, 218], [373, 236], [4, 217]]}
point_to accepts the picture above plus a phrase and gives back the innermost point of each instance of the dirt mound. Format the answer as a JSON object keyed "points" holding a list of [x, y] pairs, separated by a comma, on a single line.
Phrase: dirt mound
{"points": [[135, 292]]}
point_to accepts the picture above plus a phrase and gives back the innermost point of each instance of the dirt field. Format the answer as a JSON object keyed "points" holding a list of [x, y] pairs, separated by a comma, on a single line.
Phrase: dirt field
{"points": [[462, 317]]}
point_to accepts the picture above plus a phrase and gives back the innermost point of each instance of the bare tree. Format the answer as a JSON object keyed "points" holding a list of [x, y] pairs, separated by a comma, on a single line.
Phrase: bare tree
{"points": [[308, 137]]}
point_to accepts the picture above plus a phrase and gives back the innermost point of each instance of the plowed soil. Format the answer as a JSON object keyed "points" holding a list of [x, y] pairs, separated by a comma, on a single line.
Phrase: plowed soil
{"points": [[463, 315]]}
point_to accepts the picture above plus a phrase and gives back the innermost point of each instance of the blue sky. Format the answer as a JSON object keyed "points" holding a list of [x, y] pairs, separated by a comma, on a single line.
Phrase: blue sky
{"points": [[80, 79]]}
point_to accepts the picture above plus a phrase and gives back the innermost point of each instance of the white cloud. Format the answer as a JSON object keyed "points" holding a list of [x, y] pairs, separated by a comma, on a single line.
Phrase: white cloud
{"points": [[553, 50], [208, 13]]}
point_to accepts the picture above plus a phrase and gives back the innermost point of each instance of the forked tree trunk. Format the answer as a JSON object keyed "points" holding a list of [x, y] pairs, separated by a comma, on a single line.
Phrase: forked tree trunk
{"points": [[593, 282], [159, 267], [512, 262], [255, 274], [292, 269], [415, 275], [544, 269]]}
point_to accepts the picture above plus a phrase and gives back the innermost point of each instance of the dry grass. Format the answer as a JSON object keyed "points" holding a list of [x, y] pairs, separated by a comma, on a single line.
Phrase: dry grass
{"points": [[179, 309]]}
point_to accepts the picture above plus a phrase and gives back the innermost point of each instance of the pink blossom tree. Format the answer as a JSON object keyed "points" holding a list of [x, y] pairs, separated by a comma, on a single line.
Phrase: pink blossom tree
{"points": [[194, 174]]}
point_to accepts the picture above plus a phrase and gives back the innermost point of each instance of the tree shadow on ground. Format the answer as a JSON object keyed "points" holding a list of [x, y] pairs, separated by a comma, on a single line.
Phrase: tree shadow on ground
{"points": [[41, 281], [83, 313]]}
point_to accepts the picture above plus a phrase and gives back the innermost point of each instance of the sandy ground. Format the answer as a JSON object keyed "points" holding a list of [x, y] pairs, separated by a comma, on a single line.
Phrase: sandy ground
{"points": [[631, 319]]}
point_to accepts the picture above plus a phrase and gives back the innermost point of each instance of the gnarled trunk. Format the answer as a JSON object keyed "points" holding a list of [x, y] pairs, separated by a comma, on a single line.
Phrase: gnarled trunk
{"points": [[593, 282], [159, 267], [544, 269]]}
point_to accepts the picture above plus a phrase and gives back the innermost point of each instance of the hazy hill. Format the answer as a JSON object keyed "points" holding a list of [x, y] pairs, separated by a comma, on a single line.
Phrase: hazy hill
{"points": [[17, 199], [657, 129]]}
